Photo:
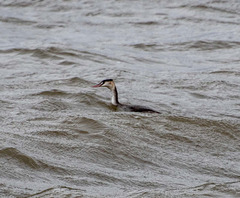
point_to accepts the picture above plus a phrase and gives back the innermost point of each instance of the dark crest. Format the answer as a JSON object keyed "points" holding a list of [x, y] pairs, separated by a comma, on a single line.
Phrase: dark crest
{"points": [[107, 80]]}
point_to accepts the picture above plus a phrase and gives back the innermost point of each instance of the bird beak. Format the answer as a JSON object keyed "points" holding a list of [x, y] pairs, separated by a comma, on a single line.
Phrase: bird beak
{"points": [[98, 85]]}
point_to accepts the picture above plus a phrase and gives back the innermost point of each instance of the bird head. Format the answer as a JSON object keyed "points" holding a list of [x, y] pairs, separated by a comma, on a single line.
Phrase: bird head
{"points": [[109, 83]]}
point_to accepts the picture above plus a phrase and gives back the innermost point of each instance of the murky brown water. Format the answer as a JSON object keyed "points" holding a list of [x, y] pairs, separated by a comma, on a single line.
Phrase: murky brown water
{"points": [[59, 137]]}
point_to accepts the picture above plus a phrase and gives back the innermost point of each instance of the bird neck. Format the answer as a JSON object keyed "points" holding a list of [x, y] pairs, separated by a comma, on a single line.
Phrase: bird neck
{"points": [[115, 96]]}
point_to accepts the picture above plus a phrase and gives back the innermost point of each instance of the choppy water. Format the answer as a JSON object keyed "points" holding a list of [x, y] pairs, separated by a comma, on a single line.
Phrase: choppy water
{"points": [[59, 137]]}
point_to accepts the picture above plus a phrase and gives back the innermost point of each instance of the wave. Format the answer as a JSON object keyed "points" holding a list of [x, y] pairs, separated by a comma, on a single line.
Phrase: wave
{"points": [[225, 128]]}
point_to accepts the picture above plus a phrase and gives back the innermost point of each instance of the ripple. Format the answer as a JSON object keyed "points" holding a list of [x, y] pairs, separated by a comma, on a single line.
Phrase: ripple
{"points": [[149, 47], [204, 85], [53, 133], [190, 45], [175, 137], [67, 63], [229, 188], [210, 45], [84, 124], [73, 81], [17, 3], [226, 129], [146, 23], [21, 158], [14, 156], [227, 72], [200, 96], [213, 9], [49, 52], [16, 21], [60, 191], [51, 105], [53, 92]]}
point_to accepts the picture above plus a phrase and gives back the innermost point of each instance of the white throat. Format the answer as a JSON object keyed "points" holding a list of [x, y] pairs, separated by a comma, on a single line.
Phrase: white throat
{"points": [[114, 102], [114, 99]]}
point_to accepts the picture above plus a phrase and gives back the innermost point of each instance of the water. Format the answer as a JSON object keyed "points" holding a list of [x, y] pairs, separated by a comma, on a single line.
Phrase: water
{"points": [[59, 137]]}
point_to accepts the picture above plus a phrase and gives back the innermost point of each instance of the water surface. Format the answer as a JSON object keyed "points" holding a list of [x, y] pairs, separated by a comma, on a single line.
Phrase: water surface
{"points": [[59, 137]]}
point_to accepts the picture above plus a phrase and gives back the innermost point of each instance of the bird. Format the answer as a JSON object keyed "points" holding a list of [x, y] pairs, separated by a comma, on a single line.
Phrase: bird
{"points": [[110, 84]]}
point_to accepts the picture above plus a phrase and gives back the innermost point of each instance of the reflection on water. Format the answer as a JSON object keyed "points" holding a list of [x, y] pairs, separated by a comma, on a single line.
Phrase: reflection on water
{"points": [[60, 137]]}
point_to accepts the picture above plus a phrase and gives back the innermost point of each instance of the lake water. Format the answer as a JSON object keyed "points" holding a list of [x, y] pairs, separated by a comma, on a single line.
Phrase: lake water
{"points": [[60, 137]]}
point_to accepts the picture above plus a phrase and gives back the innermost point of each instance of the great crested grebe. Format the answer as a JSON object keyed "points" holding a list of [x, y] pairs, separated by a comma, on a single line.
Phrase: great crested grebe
{"points": [[109, 83]]}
